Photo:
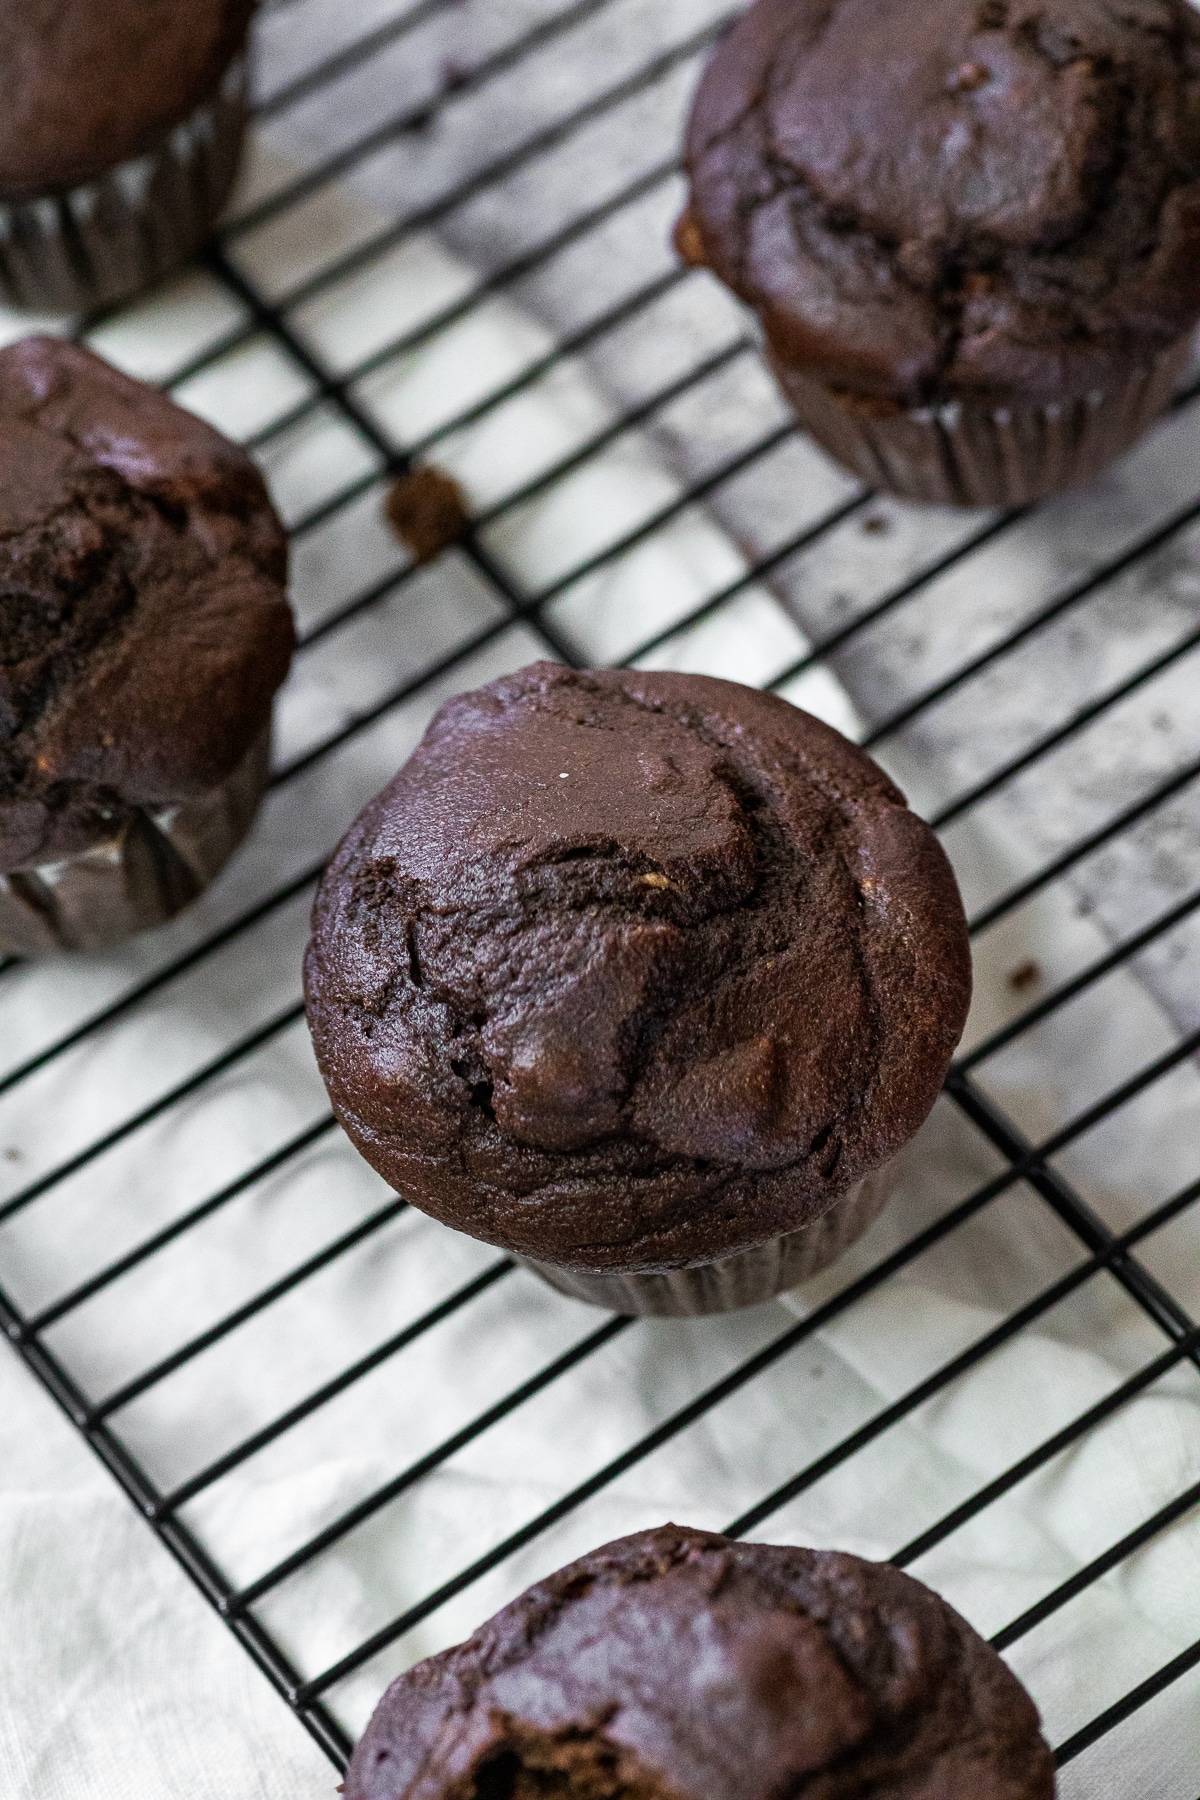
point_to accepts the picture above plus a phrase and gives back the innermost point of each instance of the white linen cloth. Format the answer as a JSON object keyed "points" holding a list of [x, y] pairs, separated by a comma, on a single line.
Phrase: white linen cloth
{"points": [[116, 1681], [114, 1678]]}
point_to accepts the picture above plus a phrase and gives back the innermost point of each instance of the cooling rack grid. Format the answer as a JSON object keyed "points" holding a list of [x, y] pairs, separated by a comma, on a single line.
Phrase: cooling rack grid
{"points": [[195, 1108]]}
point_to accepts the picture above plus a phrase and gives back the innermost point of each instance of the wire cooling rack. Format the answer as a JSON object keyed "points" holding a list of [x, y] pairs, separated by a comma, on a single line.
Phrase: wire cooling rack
{"points": [[382, 642]]}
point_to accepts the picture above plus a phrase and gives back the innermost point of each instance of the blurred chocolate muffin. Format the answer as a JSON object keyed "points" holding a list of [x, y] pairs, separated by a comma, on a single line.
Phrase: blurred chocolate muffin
{"points": [[144, 629], [647, 978], [678, 1665], [119, 141], [970, 229]]}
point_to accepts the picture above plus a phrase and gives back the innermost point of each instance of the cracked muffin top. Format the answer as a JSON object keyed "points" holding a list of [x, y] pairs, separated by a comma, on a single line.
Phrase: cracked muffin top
{"points": [[88, 84], [630, 971], [930, 199], [678, 1665], [144, 624]]}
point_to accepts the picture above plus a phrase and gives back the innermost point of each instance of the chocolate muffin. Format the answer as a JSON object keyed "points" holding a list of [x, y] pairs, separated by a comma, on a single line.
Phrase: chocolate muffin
{"points": [[144, 629], [119, 141], [969, 229], [678, 1665], [647, 978]]}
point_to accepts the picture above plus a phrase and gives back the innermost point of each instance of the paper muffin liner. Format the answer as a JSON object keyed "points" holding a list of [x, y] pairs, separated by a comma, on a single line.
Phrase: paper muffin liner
{"points": [[158, 863], [745, 1279], [968, 454], [84, 247]]}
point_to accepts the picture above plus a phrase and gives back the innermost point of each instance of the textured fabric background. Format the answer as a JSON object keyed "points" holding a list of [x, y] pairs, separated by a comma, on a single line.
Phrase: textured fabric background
{"points": [[115, 1680]]}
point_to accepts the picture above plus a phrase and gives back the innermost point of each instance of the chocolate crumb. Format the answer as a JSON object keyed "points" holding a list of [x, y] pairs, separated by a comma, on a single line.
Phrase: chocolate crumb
{"points": [[428, 512], [1025, 975], [967, 77], [689, 245], [876, 525], [419, 122]]}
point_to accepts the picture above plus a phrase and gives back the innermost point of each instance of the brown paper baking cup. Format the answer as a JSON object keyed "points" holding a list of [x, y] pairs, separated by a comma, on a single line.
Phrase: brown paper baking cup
{"points": [[968, 454], [746, 1279], [156, 865], [87, 246]]}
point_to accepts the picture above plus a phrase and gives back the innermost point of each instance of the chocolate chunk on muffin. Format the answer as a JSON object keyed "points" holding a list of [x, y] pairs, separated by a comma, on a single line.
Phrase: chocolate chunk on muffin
{"points": [[144, 630], [647, 978], [119, 141], [970, 229], [679, 1665]]}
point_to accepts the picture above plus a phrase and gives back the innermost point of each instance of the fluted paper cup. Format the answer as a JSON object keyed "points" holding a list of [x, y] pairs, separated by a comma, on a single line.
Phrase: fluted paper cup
{"points": [[158, 863], [89, 245], [745, 1279], [966, 453]]}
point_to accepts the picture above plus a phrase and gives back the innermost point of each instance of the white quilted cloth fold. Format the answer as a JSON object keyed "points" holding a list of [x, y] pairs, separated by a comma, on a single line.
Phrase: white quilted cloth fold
{"points": [[115, 1679]]}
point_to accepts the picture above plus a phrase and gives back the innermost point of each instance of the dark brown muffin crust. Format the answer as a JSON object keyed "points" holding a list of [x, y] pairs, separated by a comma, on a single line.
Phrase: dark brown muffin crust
{"points": [[678, 1665], [935, 199], [631, 971], [88, 83], [144, 626]]}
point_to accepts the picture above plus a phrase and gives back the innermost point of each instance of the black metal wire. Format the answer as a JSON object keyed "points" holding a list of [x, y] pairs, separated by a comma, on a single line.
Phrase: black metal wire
{"points": [[1086, 1421], [532, 147], [1155, 932], [294, 1278], [484, 289], [353, 56], [1036, 1168], [1110, 1559], [1122, 1709], [195, 1215]]}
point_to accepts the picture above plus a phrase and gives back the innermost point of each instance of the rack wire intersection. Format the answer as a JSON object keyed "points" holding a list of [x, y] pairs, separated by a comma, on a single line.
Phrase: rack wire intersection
{"points": [[513, 621]]}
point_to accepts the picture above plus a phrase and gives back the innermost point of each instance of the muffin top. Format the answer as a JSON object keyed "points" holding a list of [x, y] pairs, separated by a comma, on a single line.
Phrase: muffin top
{"points": [[929, 199], [144, 626], [678, 1665], [91, 82], [630, 971]]}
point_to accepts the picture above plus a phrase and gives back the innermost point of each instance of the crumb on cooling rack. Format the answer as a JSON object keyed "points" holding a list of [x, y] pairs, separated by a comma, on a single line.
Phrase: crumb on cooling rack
{"points": [[428, 511], [1024, 976], [689, 245]]}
